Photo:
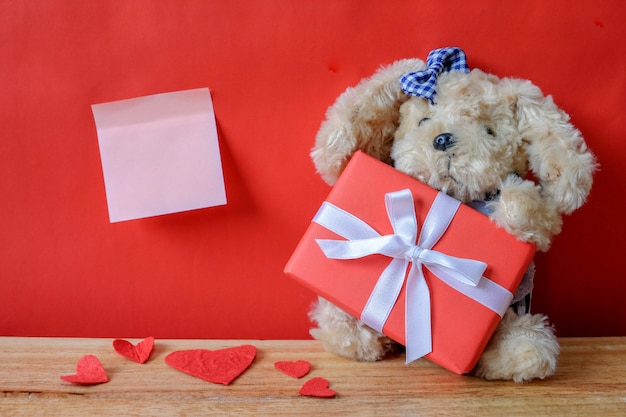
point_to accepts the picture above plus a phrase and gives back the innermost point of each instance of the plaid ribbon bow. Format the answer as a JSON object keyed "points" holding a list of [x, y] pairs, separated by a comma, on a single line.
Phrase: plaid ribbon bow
{"points": [[422, 83]]}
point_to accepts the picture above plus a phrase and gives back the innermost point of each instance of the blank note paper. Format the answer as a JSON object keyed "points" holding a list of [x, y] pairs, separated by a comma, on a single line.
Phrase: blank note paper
{"points": [[159, 154]]}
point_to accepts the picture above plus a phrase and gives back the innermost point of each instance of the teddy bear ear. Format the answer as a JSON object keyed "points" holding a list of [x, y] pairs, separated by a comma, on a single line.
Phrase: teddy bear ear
{"points": [[364, 117], [557, 153]]}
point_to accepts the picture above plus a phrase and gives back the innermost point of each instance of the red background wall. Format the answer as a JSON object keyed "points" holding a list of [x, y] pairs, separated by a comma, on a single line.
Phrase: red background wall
{"points": [[273, 67]]}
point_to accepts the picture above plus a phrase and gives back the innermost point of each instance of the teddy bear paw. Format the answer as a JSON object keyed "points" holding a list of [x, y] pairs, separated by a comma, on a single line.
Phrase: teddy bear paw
{"points": [[360, 345], [344, 335], [522, 348], [523, 212]]}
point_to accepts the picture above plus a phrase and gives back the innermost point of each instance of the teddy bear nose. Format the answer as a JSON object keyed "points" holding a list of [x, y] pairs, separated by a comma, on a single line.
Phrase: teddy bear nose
{"points": [[444, 141]]}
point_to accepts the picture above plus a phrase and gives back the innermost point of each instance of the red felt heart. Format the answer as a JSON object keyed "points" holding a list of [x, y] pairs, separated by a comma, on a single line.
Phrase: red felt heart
{"points": [[139, 353], [218, 366], [89, 371], [296, 369], [317, 387]]}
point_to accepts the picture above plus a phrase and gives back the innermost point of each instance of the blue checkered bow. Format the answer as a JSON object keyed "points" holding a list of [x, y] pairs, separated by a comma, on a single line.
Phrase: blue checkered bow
{"points": [[422, 83]]}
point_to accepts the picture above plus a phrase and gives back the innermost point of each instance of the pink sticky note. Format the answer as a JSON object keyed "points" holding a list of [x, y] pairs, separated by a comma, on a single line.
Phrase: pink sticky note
{"points": [[159, 154]]}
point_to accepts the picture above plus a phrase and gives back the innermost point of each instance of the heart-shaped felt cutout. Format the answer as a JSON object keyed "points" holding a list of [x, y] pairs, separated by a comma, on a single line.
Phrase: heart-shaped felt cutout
{"points": [[139, 353], [317, 387], [217, 366], [296, 369], [89, 371]]}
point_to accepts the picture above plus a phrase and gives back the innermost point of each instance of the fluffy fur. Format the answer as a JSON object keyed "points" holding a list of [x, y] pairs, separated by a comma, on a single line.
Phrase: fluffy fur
{"points": [[498, 130]]}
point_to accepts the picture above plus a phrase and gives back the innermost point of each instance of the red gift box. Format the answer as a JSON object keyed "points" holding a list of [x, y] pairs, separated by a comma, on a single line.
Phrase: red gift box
{"points": [[461, 322]]}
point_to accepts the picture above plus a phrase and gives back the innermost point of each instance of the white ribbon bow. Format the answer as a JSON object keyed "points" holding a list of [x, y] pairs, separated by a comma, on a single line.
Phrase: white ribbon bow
{"points": [[464, 275]]}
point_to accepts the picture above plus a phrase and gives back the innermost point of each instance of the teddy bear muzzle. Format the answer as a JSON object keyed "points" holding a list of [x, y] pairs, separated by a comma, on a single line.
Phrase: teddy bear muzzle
{"points": [[444, 141]]}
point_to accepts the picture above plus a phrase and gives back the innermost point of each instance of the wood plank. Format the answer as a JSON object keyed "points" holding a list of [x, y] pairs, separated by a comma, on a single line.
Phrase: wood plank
{"points": [[591, 380]]}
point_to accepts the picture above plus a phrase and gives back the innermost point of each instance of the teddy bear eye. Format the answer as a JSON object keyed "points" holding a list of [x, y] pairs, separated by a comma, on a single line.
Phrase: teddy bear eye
{"points": [[425, 119], [490, 131]]}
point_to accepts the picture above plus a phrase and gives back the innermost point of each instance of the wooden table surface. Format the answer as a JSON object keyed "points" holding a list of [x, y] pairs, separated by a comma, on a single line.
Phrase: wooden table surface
{"points": [[591, 380]]}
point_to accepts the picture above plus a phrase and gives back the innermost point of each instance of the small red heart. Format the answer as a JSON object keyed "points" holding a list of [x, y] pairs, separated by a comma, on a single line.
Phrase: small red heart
{"points": [[140, 353], [296, 369], [89, 371], [218, 366], [317, 387]]}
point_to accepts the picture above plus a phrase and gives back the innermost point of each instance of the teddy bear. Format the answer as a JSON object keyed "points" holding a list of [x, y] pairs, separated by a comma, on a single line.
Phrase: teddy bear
{"points": [[496, 144]]}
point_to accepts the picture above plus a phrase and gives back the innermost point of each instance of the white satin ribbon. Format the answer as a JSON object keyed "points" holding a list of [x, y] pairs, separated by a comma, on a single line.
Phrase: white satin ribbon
{"points": [[464, 275]]}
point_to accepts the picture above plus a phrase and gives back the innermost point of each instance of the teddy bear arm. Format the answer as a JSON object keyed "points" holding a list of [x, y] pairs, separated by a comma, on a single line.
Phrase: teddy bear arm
{"points": [[568, 174], [525, 213]]}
